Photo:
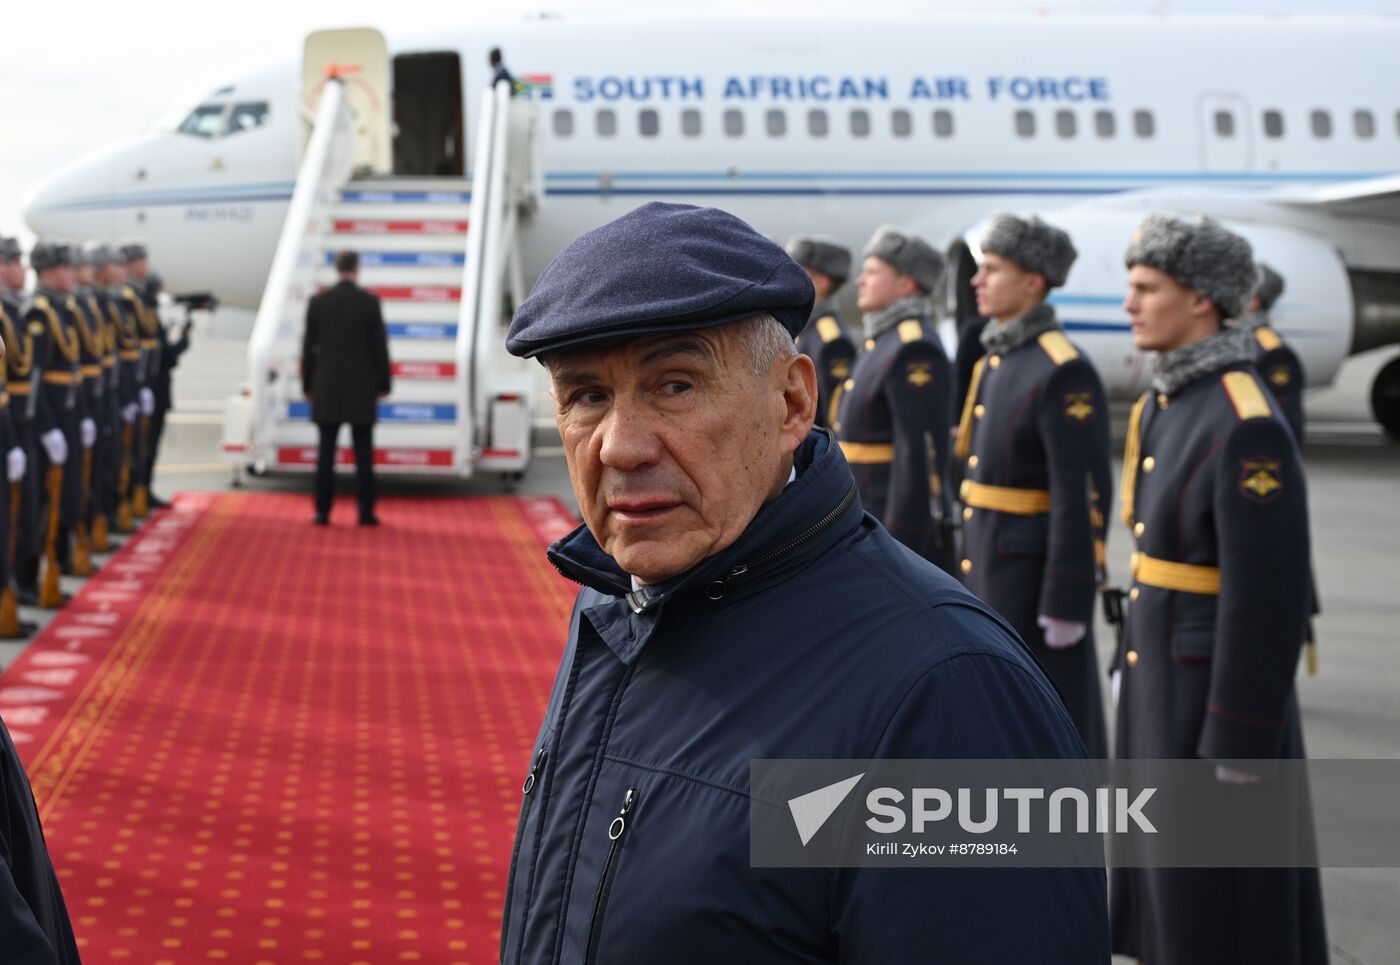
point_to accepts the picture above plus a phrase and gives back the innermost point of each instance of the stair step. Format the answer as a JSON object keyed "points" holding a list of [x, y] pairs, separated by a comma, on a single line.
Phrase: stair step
{"points": [[405, 259], [359, 225], [417, 413], [422, 330], [390, 459], [401, 212], [376, 195]]}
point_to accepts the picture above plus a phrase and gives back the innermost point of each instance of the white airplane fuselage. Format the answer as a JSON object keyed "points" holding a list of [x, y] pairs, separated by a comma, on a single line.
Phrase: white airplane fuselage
{"points": [[837, 127]]}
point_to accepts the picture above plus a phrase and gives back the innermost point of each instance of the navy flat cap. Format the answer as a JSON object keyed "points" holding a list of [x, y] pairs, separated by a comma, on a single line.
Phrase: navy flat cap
{"points": [[660, 268]]}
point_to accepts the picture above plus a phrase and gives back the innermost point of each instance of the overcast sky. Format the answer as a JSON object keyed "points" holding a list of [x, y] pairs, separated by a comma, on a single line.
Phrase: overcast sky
{"points": [[79, 74]]}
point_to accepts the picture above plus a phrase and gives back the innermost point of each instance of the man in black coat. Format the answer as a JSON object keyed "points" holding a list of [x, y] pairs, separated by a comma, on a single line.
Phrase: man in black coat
{"points": [[1214, 496], [34, 925], [1034, 435], [344, 372]]}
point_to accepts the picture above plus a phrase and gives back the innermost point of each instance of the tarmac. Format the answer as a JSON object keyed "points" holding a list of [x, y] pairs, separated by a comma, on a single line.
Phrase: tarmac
{"points": [[1351, 708]]}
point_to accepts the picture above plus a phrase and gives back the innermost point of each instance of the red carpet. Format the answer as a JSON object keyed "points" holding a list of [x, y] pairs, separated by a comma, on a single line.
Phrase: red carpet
{"points": [[254, 740]]}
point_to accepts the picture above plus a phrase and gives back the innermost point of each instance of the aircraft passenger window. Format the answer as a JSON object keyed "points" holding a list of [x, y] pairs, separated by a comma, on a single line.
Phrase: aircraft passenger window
{"points": [[1065, 125], [1144, 124], [860, 122], [648, 123], [943, 123], [734, 123], [1224, 124], [1273, 124], [245, 117], [607, 122], [563, 122], [1365, 123], [1322, 124], [817, 123], [901, 124], [690, 122], [1105, 124], [776, 123], [1025, 124], [204, 121]]}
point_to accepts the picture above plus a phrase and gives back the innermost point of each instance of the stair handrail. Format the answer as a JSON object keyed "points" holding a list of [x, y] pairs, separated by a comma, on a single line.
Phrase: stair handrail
{"points": [[326, 166], [500, 223], [469, 313]]}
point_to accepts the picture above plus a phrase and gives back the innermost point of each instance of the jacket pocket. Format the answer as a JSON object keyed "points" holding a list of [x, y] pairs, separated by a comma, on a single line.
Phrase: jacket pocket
{"points": [[617, 830], [528, 791], [1193, 641], [1022, 535]]}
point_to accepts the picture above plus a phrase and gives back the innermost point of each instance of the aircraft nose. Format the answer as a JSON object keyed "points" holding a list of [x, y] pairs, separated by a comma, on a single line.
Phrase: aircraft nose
{"points": [[74, 202]]}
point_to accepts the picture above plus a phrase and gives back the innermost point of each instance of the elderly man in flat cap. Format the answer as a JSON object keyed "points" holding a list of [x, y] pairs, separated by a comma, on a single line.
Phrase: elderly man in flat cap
{"points": [[894, 415], [1034, 435], [825, 339], [1214, 496], [737, 603]]}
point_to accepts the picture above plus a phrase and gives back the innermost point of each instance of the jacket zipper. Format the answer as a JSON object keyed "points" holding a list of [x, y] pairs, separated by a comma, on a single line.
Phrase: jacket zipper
{"points": [[715, 590], [528, 790], [616, 830]]}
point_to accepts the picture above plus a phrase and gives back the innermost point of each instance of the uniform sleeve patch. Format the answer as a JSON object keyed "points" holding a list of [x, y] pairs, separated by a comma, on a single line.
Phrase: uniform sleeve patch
{"points": [[1280, 376], [1079, 406], [919, 374], [1260, 480], [828, 329], [910, 330]]}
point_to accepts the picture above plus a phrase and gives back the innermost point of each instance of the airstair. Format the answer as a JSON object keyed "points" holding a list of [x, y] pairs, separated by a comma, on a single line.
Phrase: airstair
{"points": [[437, 252]]}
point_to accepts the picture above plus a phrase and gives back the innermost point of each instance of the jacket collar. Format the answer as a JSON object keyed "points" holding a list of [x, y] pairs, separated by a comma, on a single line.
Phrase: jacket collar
{"points": [[1001, 339], [1181, 367], [882, 320], [812, 511]]}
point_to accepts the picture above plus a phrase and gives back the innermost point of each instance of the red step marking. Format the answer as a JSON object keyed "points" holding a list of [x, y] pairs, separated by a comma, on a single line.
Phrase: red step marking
{"points": [[420, 293], [432, 371], [500, 453], [428, 458], [360, 226]]}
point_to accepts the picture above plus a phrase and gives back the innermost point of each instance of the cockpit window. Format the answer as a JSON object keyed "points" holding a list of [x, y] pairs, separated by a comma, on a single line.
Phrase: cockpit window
{"points": [[204, 121], [245, 117]]}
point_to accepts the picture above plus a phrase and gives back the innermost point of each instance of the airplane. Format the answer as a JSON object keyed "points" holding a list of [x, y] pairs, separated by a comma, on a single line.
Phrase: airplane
{"points": [[837, 126]]}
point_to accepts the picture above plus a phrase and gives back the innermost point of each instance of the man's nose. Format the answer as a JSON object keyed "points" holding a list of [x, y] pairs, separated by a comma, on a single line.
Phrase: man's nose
{"points": [[629, 438]]}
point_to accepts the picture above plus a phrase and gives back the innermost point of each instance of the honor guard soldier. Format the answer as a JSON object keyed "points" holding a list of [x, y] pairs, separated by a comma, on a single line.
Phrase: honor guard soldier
{"points": [[61, 421], [893, 418], [1034, 435], [152, 353], [22, 473], [133, 393], [1214, 496], [16, 458], [105, 487], [1277, 363], [825, 339], [92, 346]]}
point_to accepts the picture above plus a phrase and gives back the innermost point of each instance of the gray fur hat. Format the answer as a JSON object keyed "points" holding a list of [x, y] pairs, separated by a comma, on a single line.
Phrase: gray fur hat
{"points": [[829, 257], [131, 250], [9, 249], [99, 253], [50, 254], [909, 253], [1270, 287], [1199, 254], [1032, 244]]}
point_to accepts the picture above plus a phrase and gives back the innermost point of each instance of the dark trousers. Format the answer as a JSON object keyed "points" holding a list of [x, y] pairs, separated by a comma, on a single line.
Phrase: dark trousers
{"points": [[363, 439]]}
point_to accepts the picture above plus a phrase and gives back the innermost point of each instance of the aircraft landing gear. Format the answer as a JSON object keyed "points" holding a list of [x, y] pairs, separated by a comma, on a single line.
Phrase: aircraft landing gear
{"points": [[1385, 397]]}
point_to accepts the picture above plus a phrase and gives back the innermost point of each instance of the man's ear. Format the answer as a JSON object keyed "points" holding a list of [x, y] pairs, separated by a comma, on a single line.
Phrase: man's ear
{"points": [[799, 385]]}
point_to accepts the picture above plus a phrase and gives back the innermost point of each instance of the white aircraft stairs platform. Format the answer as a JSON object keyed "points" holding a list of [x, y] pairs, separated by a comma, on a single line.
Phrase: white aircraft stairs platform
{"points": [[437, 252]]}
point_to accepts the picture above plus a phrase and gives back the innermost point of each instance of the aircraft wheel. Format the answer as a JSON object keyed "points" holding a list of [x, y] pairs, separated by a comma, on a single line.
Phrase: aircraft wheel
{"points": [[1385, 397]]}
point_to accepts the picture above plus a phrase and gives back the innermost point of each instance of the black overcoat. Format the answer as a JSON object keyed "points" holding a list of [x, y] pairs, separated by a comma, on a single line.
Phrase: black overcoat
{"points": [[345, 356]]}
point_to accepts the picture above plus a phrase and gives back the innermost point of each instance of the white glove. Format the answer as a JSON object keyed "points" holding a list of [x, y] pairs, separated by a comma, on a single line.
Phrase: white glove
{"points": [[1116, 685], [1228, 775], [89, 430], [1061, 633], [56, 446], [148, 402], [15, 463], [129, 412]]}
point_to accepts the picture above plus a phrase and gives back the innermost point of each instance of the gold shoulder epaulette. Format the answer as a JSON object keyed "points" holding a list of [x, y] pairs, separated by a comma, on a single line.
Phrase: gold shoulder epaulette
{"points": [[1267, 338], [910, 330], [36, 327], [1246, 395], [1059, 348], [828, 329], [41, 302]]}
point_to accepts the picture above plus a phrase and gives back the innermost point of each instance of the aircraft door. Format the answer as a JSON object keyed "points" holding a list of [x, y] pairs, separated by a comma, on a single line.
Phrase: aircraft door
{"points": [[1226, 134], [360, 57]]}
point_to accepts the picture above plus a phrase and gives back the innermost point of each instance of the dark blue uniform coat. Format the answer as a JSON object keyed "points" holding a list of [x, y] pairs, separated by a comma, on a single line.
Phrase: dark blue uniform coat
{"points": [[34, 926], [815, 635], [893, 423], [1038, 423], [832, 350], [52, 320], [1282, 372], [1212, 478]]}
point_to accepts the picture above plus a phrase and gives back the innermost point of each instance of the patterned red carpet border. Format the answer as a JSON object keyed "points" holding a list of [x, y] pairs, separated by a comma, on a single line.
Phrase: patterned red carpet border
{"points": [[254, 740]]}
